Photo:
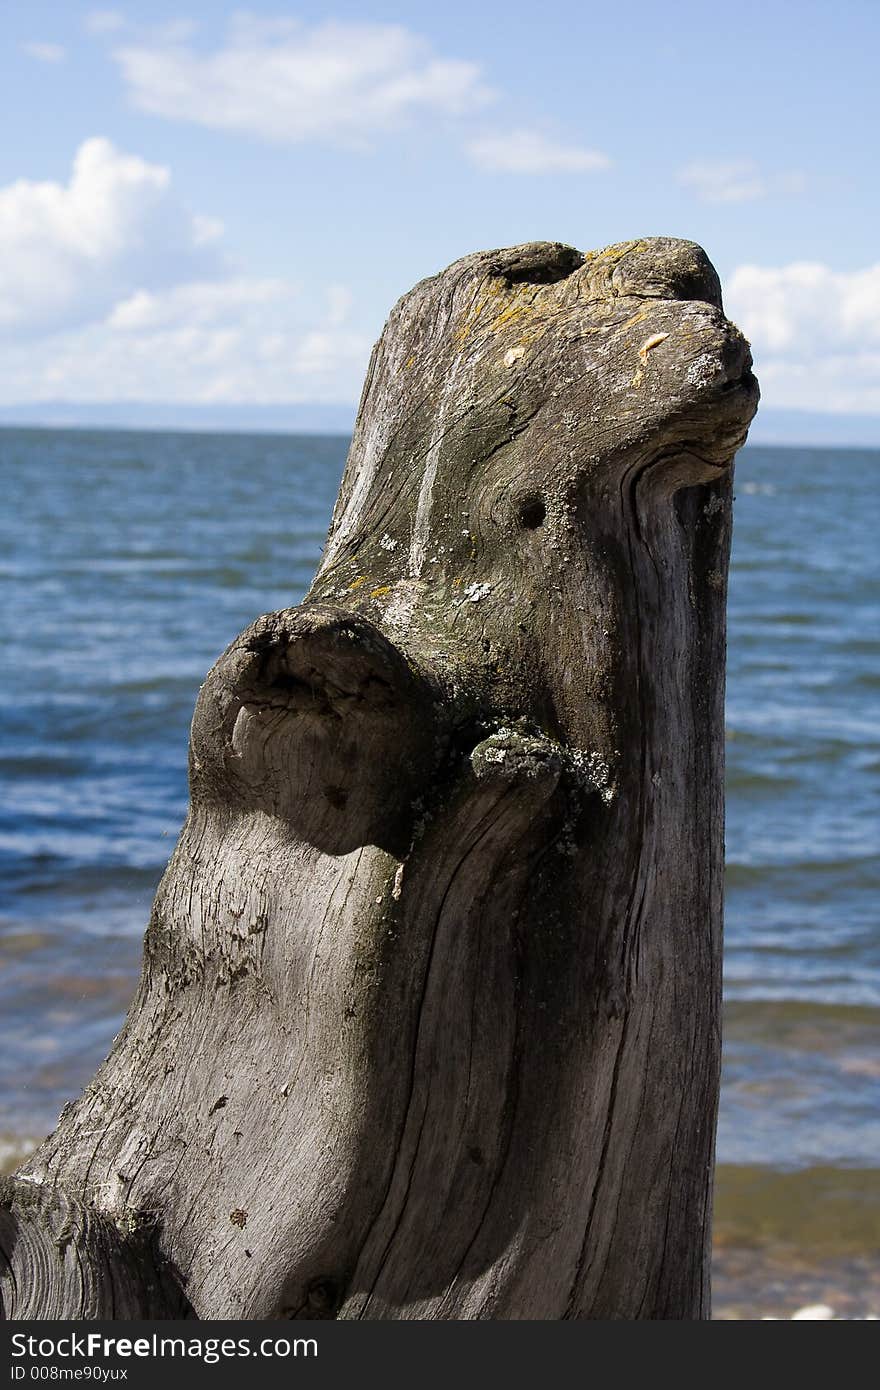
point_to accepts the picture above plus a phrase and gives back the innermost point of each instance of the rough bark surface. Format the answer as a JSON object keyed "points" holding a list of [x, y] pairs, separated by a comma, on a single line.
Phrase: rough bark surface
{"points": [[428, 1025]]}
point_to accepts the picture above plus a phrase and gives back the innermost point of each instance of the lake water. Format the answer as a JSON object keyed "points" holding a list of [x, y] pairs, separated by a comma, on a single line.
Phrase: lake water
{"points": [[128, 561]]}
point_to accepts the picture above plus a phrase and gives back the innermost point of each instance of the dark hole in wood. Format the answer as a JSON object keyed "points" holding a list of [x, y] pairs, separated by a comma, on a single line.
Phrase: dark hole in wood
{"points": [[539, 265], [747, 380], [322, 1295], [532, 513]]}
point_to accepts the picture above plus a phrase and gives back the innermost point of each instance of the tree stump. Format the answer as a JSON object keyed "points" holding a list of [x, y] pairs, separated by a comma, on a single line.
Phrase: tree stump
{"points": [[428, 1024]]}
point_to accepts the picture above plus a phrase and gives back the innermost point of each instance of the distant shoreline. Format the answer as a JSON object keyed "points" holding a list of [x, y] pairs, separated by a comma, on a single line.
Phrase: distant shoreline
{"points": [[219, 431], [280, 432], [794, 429]]}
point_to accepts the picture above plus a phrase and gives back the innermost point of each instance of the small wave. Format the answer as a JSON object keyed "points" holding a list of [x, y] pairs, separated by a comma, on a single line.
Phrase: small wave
{"points": [[14, 1149], [742, 874], [753, 489], [783, 1014]]}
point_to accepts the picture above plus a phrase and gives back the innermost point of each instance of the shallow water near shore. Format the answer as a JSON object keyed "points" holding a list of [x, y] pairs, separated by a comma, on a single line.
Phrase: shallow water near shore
{"points": [[128, 561]]}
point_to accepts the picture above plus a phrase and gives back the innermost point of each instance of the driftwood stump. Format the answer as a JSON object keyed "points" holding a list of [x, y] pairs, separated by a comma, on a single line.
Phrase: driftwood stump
{"points": [[428, 1025]]}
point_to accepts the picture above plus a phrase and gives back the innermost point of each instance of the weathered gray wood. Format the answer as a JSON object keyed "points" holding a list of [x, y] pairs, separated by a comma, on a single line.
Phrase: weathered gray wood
{"points": [[61, 1258], [429, 1017]]}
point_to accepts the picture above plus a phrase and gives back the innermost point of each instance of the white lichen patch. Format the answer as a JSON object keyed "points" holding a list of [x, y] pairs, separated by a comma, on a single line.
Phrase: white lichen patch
{"points": [[702, 371], [475, 592], [517, 757], [494, 755], [592, 769], [388, 542], [513, 355]]}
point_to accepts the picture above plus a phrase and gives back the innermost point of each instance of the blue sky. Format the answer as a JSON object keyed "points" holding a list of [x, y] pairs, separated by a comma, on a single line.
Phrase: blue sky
{"points": [[199, 204]]}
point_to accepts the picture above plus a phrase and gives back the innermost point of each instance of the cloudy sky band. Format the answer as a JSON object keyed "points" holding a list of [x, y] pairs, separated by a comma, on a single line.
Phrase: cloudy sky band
{"points": [[114, 285]]}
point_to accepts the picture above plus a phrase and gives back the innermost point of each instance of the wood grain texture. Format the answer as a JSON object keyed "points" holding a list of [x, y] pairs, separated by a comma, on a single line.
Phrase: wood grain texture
{"points": [[428, 1025]]}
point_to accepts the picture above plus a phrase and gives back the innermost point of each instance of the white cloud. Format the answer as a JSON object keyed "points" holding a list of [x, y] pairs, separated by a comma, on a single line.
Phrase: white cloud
{"points": [[815, 333], [227, 341], [45, 52], [839, 384], [807, 307], [69, 252], [206, 229], [339, 302], [285, 81], [527, 152], [197, 305], [111, 290], [104, 21], [737, 181]]}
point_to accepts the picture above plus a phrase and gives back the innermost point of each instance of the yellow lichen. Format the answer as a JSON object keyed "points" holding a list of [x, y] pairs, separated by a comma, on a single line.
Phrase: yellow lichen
{"points": [[356, 584], [519, 303], [490, 290], [508, 315], [620, 249], [382, 590], [636, 318]]}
